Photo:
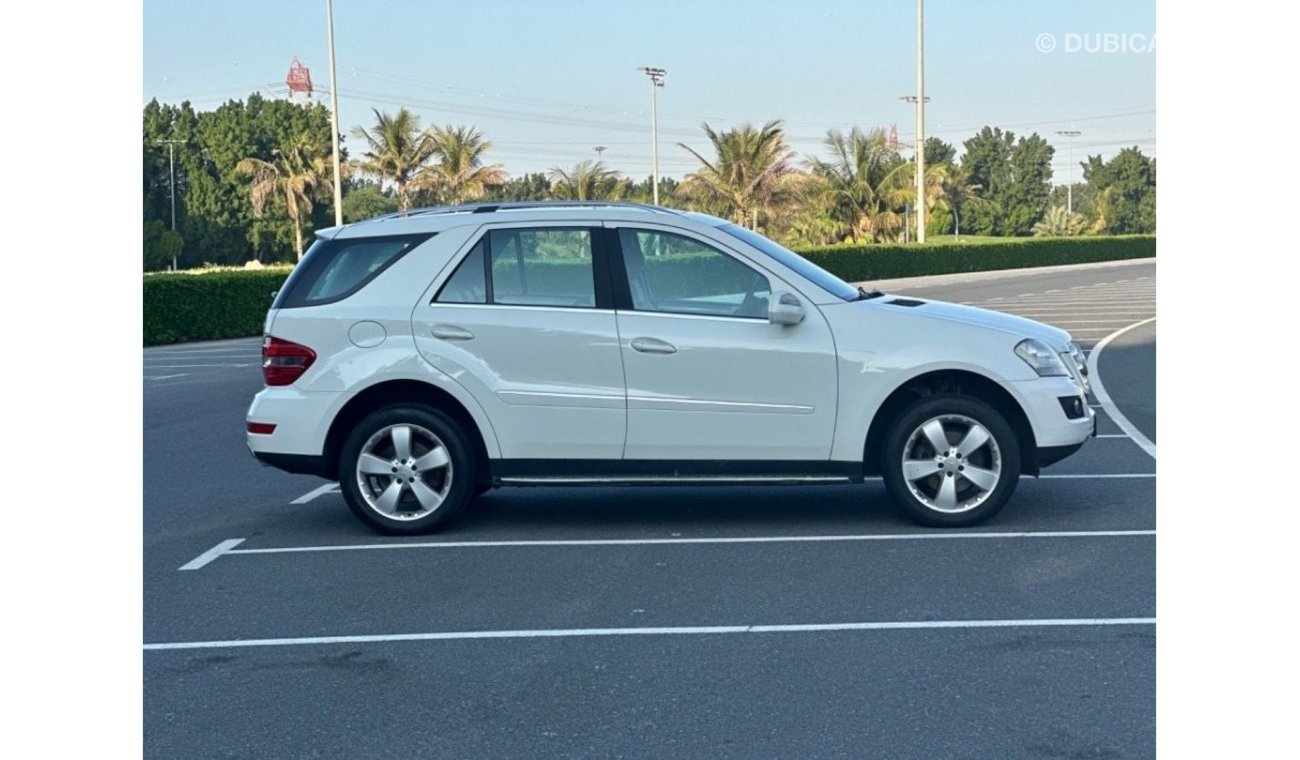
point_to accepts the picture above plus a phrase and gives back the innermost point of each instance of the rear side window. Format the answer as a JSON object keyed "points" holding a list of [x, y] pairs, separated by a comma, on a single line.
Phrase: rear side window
{"points": [[467, 285], [551, 266], [543, 267], [335, 269]]}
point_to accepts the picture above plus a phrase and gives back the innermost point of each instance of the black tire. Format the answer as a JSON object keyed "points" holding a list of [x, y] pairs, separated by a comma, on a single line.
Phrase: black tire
{"points": [[412, 515], [969, 503]]}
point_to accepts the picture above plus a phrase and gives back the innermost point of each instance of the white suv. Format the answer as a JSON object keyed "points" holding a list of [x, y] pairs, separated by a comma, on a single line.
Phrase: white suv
{"points": [[425, 357]]}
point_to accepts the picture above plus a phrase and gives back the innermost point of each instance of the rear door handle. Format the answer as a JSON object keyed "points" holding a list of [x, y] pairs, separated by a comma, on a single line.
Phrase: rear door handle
{"points": [[452, 332], [653, 346]]}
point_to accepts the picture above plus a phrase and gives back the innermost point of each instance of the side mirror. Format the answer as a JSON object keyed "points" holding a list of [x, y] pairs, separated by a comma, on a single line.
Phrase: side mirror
{"points": [[786, 309]]}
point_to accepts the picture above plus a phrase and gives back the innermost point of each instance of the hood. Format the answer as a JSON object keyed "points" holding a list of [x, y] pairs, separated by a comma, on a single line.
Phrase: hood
{"points": [[970, 315]]}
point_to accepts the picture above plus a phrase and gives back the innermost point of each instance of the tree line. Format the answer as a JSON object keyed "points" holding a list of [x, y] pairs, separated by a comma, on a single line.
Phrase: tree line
{"points": [[254, 178]]}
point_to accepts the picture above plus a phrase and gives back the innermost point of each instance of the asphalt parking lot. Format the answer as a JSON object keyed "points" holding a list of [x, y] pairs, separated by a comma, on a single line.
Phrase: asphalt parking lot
{"points": [[658, 622]]}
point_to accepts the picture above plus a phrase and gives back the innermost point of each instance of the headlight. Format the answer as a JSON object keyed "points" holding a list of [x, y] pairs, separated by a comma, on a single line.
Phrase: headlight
{"points": [[1042, 358], [1081, 362]]}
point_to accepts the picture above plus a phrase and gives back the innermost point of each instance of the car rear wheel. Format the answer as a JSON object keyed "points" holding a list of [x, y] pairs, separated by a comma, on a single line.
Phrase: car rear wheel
{"points": [[951, 461], [407, 470]]}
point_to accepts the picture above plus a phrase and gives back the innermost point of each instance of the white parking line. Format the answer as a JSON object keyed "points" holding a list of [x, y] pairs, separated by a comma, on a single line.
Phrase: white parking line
{"points": [[1099, 391], [330, 488], [327, 488], [166, 377], [193, 366], [1085, 476], [701, 630], [935, 536], [211, 554]]}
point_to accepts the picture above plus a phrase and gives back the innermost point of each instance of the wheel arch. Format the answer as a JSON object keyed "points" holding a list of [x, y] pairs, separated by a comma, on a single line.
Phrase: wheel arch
{"points": [[395, 393], [962, 382]]}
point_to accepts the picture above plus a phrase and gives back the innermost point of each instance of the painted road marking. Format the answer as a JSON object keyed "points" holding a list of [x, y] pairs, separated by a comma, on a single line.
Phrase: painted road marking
{"points": [[211, 554], [166, 377], [935, 536], [701, 630], [315, 493], [1099, 390], [192, 366], [333, 487]]}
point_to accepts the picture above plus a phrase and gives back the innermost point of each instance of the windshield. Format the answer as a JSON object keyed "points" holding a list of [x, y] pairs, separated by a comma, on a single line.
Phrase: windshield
{"points": [[805, 268]]}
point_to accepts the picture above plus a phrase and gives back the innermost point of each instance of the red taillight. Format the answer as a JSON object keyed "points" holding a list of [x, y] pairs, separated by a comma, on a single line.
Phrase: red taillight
{"points": [[261, 428], [283, 362]]}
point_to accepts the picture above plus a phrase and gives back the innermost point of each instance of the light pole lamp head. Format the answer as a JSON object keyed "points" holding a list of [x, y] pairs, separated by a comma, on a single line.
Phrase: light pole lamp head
{"points": [[656, 74]]}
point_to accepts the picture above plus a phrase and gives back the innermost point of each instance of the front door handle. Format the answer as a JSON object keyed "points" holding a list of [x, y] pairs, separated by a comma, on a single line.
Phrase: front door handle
{"points": [[653, 346], [452, 332]]}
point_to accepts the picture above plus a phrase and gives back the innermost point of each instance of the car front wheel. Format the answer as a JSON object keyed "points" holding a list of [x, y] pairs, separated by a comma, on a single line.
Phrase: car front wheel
{"points": [[951, 461], [407, 470]]}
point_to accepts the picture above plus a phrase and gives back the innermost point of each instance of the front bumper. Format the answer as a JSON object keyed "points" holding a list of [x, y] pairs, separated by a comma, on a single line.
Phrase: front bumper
{"points": [[1040, 399]]}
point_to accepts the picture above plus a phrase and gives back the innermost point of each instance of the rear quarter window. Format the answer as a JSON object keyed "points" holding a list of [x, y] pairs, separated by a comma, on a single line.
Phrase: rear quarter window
{"points": [[332, 270]]}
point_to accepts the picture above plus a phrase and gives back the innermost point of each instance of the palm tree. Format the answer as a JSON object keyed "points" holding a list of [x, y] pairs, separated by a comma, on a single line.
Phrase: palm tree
{"points": [[1060, 223], [299, 173], [957, 191], [747, 176], [859, 183], [459, 174], [397, 151], [586, 181]]}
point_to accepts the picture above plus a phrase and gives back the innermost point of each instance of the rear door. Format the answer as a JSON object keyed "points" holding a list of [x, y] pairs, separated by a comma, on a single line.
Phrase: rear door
{"points": [[525, 322], [708, 376]]}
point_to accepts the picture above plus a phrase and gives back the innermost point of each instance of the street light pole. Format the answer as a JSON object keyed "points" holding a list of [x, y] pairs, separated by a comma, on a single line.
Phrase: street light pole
{"points": [[656, 81], [171, 182], [920, 121], [1069, 134], [334, 119]]}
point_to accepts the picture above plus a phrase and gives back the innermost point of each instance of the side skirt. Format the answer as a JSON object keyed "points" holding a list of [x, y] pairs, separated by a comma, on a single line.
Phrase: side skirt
{"points": [[567, 472]]}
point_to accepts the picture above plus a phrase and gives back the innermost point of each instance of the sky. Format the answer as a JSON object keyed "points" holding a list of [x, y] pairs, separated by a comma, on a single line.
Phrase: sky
{"points": [[548, 81]]}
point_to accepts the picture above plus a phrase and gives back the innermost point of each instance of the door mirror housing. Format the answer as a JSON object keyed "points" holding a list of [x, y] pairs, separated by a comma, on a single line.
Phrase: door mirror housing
{"points": [[786, 309]]}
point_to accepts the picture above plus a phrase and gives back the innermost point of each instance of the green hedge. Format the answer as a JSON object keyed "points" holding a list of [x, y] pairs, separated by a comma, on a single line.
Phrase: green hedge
{"points": [[233, 304], [207, 306], [857, 263]]}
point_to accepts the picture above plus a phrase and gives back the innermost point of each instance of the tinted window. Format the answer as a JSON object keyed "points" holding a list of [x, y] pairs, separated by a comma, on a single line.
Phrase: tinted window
{"points": [[805, 268], [335, 269], [542, 267], [467, 285], [675, 274]]}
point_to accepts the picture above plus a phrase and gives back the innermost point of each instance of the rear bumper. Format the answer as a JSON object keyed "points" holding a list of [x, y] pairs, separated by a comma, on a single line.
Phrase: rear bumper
{"points": [[298, 464]]}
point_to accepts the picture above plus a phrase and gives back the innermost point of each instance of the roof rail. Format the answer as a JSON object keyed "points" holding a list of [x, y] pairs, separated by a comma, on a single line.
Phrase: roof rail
{"points": [[491, 207]]}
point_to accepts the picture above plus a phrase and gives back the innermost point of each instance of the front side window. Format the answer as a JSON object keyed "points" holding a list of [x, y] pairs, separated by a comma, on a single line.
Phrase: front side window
{"points": [[678, 275]]}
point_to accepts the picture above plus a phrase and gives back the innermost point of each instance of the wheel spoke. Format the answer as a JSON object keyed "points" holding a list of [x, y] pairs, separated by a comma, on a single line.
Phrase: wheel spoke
{"points": [[437, 457], [428, 498], [402, 441], [387, 501], [982, 478], [915, 469], [977, 436], [946, 499], [934, 432], [369, 464]]}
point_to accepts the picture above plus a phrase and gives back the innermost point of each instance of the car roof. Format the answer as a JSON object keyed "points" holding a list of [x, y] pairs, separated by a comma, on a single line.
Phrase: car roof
{"points": [[438, 218]]}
